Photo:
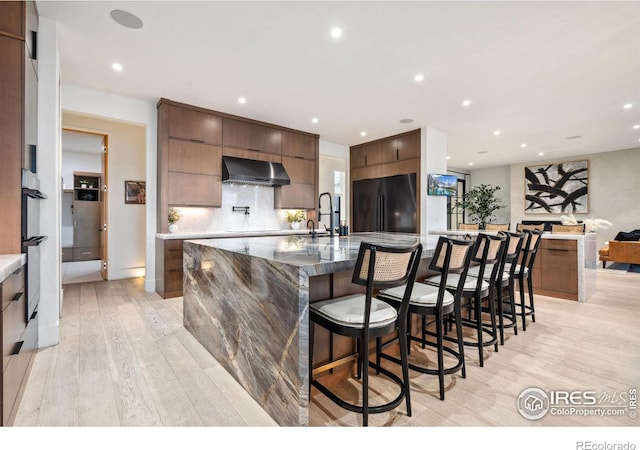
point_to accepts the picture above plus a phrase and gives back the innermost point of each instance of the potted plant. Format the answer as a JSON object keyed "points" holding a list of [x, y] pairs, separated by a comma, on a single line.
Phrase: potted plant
{"points": [[294, 218], [174, 217], [480, 203], [83, 183]]}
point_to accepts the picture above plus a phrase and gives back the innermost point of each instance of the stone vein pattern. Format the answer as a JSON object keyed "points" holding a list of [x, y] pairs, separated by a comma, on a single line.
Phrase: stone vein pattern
{"points": [[246, 301]]}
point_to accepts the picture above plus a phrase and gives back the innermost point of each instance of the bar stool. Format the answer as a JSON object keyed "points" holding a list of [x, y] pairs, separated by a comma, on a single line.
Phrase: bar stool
{"points": [[362, 316], [496, 227], [522, 272], [505, 279], [450, 256], [488, 250]]}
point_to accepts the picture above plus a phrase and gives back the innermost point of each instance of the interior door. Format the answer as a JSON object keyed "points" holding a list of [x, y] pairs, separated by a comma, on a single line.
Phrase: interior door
{"points": [[104, 267]]}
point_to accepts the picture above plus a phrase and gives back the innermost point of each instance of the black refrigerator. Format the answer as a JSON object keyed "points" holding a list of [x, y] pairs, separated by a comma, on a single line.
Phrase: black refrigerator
{"points": [[385, 204]]}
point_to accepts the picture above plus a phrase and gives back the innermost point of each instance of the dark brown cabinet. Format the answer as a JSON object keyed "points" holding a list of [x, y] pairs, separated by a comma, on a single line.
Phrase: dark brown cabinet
{"points": [[236, 133], [241, 134], [300, 160], [169, 267], [298, 145], [18, 129], [555, 270], [195, 125], [395, 155]]}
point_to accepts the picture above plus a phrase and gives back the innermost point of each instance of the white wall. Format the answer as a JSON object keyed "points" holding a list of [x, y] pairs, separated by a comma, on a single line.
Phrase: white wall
{"points": [[49, 167], [614, 186], [78, 162], [125, 222], [433, 159], [496, 176], [135, 111]]}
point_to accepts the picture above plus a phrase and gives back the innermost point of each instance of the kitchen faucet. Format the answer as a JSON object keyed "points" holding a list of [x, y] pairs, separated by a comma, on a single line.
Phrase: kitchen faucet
{"points": [[313, 228], [320, 213]]}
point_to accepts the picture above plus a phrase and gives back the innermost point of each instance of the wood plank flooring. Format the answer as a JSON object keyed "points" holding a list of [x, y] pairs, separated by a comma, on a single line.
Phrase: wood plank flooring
{"points": [[124, 359]]}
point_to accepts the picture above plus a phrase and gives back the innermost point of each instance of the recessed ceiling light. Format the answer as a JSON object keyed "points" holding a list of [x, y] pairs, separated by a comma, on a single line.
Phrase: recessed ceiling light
{"points": [[628, 106], [419, 77], [496, 133], [242, 100], [406, 120], [636, 127], [471, 164], [126, 19], [448, 158], [466, 103], [336, 32], [117, 67], [523, 145], [540, 153], [574, 137], [314, 120], [363, 133]]}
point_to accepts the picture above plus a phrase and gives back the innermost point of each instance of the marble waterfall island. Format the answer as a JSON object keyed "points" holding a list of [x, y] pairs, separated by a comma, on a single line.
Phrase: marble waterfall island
{"points": [[246, 301]]}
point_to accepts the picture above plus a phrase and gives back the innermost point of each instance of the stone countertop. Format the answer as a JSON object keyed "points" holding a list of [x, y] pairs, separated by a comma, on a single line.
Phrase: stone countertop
{"points": [[11, 263], [235, 234], [317, 256], [545, 235]]}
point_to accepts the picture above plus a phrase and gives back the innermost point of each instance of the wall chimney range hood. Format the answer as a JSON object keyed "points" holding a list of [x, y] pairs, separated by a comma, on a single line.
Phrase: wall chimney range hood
{"points": [[250, 171]]}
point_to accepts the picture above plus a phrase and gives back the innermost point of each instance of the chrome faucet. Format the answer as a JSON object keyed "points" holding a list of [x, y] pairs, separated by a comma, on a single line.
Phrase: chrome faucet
{"points": [[320, 213], [313, 228]]}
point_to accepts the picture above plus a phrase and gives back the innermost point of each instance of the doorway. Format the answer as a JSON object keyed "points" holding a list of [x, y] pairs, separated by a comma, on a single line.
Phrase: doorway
{"points": [[84, 206]]}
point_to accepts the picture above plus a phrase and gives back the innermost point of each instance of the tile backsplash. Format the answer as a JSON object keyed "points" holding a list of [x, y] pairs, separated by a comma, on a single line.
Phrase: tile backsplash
{"points": [[261, 215]]}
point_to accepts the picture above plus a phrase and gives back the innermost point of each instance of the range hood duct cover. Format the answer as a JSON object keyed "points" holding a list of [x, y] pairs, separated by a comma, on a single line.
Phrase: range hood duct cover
{"points": [[250, 171]]}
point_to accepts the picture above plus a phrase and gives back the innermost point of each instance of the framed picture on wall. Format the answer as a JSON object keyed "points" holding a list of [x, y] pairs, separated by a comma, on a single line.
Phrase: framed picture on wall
{"points": [[557, 188], [135, 192]]}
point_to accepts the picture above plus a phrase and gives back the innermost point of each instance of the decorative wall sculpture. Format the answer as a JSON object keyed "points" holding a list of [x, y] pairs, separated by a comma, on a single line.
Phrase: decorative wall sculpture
{"points": [[557, 188]]}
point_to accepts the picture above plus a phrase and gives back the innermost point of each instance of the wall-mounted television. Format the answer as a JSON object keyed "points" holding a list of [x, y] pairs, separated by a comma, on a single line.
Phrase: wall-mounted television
{"points": [[439, 184]]}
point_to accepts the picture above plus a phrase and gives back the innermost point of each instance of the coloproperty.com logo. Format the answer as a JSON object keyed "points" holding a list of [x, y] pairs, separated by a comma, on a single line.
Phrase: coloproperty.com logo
{"points": [[534, 403]]}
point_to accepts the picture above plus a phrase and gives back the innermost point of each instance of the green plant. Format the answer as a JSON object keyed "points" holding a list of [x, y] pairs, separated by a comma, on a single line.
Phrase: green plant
{"points": [[295, 216], [480, 203], [174, 215]]}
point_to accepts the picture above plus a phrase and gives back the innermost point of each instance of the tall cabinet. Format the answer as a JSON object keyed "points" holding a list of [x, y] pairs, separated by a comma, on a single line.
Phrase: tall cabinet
{"points": [[18, 132]]}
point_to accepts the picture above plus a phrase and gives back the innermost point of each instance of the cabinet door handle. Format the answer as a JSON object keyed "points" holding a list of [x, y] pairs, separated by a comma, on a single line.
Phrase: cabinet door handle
{"points": [[365, 160], [86, 253], [299, 157], [17, 348], [33, 316], [17, 271], [197, 140], [398, 154], [17, 296]]}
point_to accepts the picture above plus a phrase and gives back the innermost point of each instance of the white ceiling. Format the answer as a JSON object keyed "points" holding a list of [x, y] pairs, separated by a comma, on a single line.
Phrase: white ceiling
{"points": [[538, 71]]}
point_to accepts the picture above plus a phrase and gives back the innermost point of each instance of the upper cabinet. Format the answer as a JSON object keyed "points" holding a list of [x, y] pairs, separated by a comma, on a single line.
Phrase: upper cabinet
{"points": [[394, 155], [11, 18], [192, 141], [194, 125]]}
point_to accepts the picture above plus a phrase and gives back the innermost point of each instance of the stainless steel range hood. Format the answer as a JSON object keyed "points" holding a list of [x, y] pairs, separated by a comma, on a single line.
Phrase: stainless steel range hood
{"points": [[250, 171]]}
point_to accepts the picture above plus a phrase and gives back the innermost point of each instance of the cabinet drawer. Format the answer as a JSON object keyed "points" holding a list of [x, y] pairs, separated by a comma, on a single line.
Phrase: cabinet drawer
{"points": [[86, 253], [173, 280], [300, 170], [195, 157], [552, 259], [559, 244], [173, 254], [15, 372], [298, 145], [13, 326], [67, 254], [12, 286], [194, 125]]}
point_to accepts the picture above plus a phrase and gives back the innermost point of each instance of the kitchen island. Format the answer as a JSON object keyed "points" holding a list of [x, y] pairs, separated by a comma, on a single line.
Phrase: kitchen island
{"points": [[246, 300]]}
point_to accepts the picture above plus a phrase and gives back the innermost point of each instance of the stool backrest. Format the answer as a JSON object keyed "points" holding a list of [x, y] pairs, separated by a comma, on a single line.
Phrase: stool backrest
{"points": [[451, 256], [530, 247], [512, 250], [468, 226], [496, 226], [381, 267], [573, 229], [522, 227], [489, 250]]}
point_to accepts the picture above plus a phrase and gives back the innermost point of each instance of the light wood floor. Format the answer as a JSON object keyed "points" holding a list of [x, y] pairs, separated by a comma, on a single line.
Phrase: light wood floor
{"points": [[124, 359]]}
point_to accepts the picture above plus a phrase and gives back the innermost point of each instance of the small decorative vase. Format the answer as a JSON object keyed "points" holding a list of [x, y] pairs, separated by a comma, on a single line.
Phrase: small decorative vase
{"points": [[295, 225], [173, 227]]}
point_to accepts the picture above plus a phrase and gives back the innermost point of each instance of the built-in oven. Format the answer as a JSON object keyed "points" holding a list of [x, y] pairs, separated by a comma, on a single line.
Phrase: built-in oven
{"points": [[31, 239]]}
